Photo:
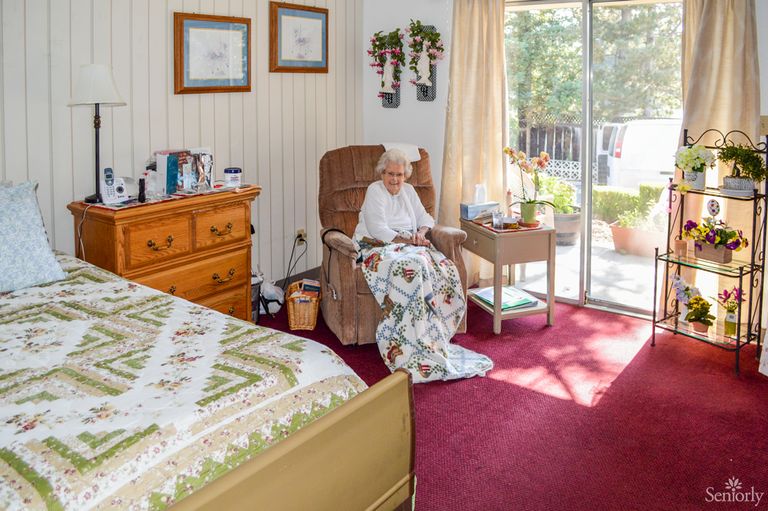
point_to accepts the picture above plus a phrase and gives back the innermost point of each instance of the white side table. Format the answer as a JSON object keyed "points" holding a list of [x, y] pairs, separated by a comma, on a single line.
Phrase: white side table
{"points": [[510, 248]]}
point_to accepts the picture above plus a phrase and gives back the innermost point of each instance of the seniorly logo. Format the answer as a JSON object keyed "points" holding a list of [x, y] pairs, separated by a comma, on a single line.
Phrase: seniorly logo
{"points": [[734, 493]]}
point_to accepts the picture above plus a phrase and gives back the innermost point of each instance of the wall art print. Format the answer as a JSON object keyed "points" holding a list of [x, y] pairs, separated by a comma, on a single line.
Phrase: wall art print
{"points": [[211, 53], [298, 38]]}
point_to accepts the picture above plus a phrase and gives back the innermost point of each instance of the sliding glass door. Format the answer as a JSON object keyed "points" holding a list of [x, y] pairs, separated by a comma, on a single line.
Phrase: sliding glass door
{"points": [[597, 86]]}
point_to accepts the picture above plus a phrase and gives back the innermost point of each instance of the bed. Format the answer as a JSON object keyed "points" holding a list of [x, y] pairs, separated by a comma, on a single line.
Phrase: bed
{"points": [[115, 395]]}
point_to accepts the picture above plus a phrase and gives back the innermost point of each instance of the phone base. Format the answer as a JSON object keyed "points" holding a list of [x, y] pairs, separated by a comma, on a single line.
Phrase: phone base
{"points": [[92, 199]]}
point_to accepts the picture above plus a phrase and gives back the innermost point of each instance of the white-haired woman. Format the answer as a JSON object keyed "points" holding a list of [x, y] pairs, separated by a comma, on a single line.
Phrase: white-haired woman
{"points": [[418, 288]]}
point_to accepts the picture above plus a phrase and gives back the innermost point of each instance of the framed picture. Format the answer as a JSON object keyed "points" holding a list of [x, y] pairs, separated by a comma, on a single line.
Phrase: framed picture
{"points": [[211, 53], [298, 38]]}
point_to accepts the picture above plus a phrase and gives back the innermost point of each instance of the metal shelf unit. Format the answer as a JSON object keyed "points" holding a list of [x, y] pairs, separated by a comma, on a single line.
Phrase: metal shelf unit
{"points": [[666, 315]]}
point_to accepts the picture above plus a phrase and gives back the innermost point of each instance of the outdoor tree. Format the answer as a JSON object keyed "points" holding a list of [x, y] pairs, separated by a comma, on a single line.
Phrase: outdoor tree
{"points": [[636, 64]]}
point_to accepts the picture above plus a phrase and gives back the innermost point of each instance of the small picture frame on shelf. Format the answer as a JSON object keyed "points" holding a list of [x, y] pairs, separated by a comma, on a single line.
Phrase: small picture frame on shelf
{"points": [[298, 38], [211, 53]]}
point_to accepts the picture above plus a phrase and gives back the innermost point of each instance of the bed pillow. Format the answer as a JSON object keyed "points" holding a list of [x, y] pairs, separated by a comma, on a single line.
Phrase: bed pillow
{"points": [[26, 259]]}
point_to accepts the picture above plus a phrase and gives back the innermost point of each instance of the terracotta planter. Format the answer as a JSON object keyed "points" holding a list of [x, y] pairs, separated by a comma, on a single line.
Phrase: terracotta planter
{"points": [[627, 240], [718, 254], [699, 327], [567, 226]]}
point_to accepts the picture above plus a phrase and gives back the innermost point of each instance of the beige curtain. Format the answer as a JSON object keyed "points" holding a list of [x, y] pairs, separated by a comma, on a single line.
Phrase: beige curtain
{"points": [[475, 127], [721, 89]]}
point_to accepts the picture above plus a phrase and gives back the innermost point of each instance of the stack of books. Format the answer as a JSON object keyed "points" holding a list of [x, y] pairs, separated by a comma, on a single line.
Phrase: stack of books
{"points": [[307, 289], [512, 298]]}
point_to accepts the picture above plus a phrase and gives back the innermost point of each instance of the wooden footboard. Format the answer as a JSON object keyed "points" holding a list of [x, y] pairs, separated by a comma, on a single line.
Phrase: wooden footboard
{"points": [[358, 457]]}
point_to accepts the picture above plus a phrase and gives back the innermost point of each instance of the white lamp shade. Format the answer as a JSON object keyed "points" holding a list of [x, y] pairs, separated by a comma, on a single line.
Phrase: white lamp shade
{"points": [[94, 85]]}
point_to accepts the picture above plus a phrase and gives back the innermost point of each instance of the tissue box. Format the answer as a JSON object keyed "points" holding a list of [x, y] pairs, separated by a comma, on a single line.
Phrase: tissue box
{"points": [[472, 211]]}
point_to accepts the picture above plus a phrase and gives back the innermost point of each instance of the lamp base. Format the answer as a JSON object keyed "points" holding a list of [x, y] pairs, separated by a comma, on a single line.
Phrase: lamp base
{"points": [[92, 199]]}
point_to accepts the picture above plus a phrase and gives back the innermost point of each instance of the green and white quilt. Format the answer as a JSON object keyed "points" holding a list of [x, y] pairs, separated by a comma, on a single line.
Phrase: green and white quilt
{"points": [[114, 395]]}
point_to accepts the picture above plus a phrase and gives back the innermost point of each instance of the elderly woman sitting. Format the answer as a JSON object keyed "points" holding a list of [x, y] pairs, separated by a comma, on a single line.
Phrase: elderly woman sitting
{"points": [[417, 287]]}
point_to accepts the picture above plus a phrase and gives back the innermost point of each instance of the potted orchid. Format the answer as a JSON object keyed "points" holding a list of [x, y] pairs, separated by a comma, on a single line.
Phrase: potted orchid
{"points": [[693, 161], [683, 294], [730, 300], [528, 205], [714, 240], [698, 314]]}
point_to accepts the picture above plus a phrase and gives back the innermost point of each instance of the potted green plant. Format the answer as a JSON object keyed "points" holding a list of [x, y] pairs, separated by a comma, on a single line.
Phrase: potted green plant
{"points": [[638, 232], [698, 314], [567, 216], [748, 168], [693, 161], [528, 205]]}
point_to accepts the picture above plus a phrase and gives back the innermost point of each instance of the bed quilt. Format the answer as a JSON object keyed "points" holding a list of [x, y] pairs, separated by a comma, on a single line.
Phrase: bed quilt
{"points": [[117, 396]]}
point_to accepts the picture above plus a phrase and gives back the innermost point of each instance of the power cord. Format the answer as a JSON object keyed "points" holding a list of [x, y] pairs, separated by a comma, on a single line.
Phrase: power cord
{"points": [[289, 269], [80, 232]]}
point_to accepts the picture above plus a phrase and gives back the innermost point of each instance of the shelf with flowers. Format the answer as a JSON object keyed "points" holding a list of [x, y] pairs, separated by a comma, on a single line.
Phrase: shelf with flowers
{"points": [[710, 247], [528, 204]]}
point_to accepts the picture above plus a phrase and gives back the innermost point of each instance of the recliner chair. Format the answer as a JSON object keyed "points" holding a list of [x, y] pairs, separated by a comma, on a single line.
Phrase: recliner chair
{"points": [[348, 307]]}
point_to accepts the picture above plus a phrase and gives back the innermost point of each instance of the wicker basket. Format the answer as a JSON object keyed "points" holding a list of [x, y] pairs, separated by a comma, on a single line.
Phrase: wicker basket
{"points": [[302, 310]]}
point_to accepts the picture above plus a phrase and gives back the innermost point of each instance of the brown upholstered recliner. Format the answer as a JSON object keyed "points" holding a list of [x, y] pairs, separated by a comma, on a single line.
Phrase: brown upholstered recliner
{"points": [[349, 308]]}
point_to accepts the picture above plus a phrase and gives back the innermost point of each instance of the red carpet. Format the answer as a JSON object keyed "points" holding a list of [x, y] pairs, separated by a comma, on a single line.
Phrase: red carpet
{"points": [[584, 415]]}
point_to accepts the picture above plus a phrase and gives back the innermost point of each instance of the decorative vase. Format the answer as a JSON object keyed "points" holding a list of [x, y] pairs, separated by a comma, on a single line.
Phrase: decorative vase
{"points": [[683, 313], [716, 253], [528, 212], [729, 324], [697, 180], [699, 327]]}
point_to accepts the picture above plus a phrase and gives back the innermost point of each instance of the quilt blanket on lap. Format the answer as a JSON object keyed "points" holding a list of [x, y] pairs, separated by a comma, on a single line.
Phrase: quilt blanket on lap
{"points": [[113, 395], [420, 293]]}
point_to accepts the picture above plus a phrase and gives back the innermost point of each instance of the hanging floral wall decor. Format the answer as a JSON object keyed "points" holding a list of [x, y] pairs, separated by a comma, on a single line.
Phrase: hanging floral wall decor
{"points": [[426, 48], [387, 57]]}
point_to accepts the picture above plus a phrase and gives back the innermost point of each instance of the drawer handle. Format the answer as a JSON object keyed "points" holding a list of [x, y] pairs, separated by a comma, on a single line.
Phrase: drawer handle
{"points": [[231, 310], [154, 246], [230, 273], [474, 242], [215, 230], [172, 290]]}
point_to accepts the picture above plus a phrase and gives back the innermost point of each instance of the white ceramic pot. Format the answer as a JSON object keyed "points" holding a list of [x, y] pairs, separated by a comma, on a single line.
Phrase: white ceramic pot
{"points": [[697, 180]]}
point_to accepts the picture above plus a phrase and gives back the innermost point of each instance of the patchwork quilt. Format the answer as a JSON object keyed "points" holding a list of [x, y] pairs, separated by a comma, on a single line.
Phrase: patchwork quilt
{"points": [[114, 395]]}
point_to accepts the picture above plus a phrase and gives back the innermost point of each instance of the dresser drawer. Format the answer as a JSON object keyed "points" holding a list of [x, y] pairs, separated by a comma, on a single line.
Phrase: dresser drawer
{"points": [[234, 303], [157, 240], [480, 245], [220, 226], [202, 278]]}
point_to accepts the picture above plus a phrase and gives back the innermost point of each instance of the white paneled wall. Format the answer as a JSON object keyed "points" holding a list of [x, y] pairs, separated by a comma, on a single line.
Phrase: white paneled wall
{"points": [[276, 133]]}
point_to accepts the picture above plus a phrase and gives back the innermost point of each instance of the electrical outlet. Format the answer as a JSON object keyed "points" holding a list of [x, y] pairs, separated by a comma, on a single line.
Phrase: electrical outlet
{"points": [[764, 124], [301, 236]]}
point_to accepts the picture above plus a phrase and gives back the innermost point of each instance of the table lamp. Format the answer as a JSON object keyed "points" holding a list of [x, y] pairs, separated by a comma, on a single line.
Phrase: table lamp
{"points": [[95, 86]]}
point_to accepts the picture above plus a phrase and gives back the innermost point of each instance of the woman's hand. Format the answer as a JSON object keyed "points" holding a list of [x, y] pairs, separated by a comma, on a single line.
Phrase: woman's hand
{"points": [[420, 238]]}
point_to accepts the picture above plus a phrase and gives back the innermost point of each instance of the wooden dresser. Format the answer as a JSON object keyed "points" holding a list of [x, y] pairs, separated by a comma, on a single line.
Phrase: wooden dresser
{"points": [[197, 248]]}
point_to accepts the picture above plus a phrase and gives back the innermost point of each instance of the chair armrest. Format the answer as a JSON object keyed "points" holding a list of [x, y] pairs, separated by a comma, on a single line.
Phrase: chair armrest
{"points": [[340, 242], [447, 239]]}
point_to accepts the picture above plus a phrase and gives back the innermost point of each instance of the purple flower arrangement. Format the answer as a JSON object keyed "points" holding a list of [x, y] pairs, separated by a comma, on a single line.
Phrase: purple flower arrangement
{"points": [[714, 232]]}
